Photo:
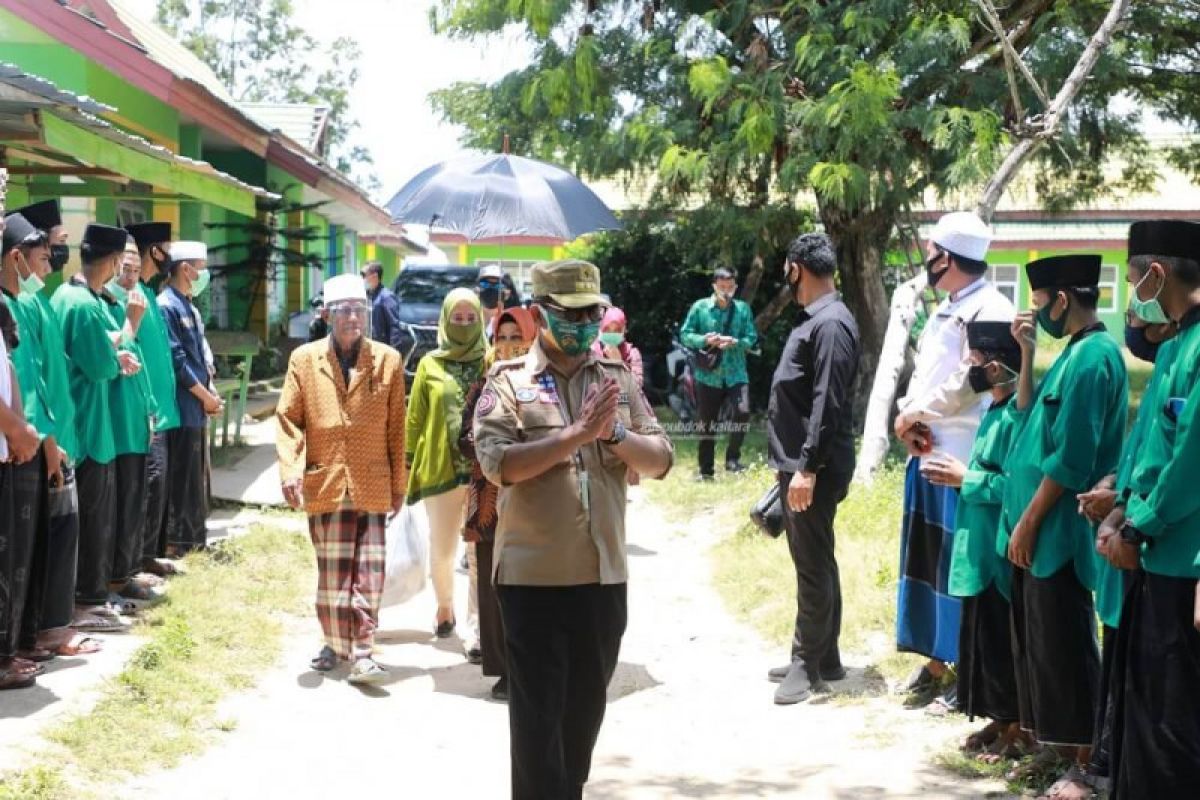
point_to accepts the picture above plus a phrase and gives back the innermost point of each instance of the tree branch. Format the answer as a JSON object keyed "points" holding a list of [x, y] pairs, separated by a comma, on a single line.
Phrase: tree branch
{"points": [[989, 12]]}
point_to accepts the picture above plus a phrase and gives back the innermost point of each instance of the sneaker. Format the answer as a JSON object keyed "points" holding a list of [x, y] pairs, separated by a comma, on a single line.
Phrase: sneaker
{"points": [[474, 655], [366, 671], [500, 690], [735, 467], [777, 674], [798, 686]]}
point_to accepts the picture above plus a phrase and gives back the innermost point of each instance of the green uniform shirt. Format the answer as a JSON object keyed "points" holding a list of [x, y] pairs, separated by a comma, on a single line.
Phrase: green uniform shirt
{"points": [[1073, 434], [707, 317], [975, 564], [131, 399], [155, 345], [27, 363], [56, 373], [85, 323], [1165, 504]]}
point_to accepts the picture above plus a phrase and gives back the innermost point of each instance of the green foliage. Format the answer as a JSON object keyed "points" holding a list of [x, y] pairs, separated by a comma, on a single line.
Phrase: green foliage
{"points": [[260, 54]]}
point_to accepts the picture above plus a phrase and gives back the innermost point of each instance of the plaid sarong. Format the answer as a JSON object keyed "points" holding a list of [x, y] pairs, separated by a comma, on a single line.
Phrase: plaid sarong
{"points": [[350, 567]]}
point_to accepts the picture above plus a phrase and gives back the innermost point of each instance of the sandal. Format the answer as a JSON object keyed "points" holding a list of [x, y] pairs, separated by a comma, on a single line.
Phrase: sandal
{"points": [[1046, 764], [98, 624], [15, 680], [80, 645], [366, 671], [325, 660], [981, 739], [23, 666], [37, 655]]}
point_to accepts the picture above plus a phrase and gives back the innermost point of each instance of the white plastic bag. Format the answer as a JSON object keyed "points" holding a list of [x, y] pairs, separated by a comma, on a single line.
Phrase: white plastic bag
{"points": [[407, 553]]}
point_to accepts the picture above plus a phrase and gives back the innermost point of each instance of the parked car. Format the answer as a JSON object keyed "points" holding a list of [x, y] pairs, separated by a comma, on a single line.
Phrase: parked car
{"points": [[420, 290]]}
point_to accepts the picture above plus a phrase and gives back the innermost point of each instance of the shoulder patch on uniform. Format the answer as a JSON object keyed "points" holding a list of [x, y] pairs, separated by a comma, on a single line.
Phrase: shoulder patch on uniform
{"points": [[486, 404]]}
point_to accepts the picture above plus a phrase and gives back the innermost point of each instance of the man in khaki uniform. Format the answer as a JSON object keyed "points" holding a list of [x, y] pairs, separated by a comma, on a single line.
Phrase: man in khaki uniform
{"points": [[557, 430]]}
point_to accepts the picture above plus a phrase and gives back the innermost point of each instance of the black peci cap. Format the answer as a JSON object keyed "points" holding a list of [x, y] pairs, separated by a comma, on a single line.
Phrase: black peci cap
{"points": [[1174, 238], [991, 337], [148, 233], [102, 240], [43, 216], [1063, 271]]}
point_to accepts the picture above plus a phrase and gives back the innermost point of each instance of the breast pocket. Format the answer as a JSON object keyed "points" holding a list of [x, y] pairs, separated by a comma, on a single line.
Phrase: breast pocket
{"points": [[539, 420], [1051, 406]]}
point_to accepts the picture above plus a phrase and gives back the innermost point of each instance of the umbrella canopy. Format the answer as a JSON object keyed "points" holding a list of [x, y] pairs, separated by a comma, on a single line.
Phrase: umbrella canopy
{"points": [[497, 196]]}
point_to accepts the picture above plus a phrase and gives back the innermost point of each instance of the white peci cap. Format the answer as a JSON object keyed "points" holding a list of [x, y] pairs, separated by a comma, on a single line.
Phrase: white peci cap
{"points": [[188, 251], [491, 271], [341, 288], [963, 234]]}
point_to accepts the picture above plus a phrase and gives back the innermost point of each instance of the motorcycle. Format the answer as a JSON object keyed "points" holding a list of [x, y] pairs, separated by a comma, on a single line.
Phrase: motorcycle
{"points": [[681, 394]]}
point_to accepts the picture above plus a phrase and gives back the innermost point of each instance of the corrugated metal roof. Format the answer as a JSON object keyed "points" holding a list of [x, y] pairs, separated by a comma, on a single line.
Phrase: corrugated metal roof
{"points": [[301, 122], [14, 76]]}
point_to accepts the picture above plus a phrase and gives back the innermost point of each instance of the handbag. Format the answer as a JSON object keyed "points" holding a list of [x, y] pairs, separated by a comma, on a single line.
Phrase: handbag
{"points": [[706, 359], [767, 513]]}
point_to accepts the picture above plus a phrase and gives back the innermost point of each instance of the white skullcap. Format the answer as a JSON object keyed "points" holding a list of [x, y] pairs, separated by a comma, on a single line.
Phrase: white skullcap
{"points": [[340, 288], [188, 251], [491, 271], [963, 234]]}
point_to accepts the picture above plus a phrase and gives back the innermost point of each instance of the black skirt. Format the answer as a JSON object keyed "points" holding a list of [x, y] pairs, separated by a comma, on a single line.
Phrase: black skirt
{"points": [[1156, 730], [987, 686], [1056, 658]]}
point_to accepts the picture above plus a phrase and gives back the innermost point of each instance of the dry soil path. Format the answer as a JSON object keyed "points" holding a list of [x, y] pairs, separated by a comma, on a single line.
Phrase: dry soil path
{"points": [[690, 714]]}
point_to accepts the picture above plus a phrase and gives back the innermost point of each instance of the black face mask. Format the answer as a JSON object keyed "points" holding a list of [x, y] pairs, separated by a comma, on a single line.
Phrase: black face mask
{"points": [[932, 277], [60, 254], [1139, 345], [489, 297], [978, 379]]}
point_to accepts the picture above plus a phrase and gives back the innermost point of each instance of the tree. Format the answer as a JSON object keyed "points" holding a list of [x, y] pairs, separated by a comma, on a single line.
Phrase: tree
{"points": [[260, 54], [864, 106]]}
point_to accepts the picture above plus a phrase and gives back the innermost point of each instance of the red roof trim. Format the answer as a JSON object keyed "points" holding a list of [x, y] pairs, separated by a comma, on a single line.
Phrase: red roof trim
{"points": [[1086, 215]]}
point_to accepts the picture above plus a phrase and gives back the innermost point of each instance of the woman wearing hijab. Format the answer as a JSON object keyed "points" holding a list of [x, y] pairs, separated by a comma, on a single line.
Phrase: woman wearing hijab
{"points": [[612, 343], [515, 332], [438, 471]]}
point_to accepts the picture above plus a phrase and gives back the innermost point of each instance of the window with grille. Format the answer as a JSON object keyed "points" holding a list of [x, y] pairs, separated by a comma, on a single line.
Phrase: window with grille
{"points": [[1108, 288], [1006, 278]]}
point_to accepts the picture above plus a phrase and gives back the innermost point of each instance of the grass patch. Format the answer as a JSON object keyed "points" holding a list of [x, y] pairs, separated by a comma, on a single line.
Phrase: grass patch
{"points": [[217, 628]]}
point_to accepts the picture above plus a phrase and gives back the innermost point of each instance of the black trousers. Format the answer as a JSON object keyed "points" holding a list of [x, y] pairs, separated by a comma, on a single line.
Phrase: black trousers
{"points": [[7, 519], [62, 516], [20, 543], [1055, 656], [987, 686], [96, 487], [709, 401], [491, 625], [154, 537], [33, 474], [563, 644], [1101, 762], [187, 493], [811, 542], [131, 515], [1156, 670]]}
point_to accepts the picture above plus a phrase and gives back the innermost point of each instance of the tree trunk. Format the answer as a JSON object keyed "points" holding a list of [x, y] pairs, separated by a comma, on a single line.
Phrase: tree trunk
{"points": [[860, 239]]}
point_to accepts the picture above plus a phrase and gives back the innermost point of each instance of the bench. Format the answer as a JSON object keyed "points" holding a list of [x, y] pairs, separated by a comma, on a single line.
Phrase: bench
{"points": [[238, 348]]}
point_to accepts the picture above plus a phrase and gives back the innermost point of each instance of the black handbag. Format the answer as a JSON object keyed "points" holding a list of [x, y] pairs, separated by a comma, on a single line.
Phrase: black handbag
{"points": [[767, 513], [708, 359]]}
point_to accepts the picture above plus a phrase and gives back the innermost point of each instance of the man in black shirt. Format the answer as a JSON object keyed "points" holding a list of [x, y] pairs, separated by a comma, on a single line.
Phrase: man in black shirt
{"points": [[385, 308], [811, 445]]}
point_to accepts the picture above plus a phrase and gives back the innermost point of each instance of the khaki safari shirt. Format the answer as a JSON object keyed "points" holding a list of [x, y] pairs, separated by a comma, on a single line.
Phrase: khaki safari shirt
{"points": [[544, 536]]}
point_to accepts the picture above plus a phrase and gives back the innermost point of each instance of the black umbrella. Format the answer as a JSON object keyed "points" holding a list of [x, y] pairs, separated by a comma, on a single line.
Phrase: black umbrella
{"points": [[497, 196]]}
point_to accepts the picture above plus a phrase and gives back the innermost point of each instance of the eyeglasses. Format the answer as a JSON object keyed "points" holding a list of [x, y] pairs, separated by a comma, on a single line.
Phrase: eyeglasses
{"points": [[356, 310], [586, 314]]}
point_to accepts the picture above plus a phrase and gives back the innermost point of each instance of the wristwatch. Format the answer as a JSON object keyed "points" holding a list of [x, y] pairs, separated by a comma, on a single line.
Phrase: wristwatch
{"points": [[618, 434], [1131, 535]]}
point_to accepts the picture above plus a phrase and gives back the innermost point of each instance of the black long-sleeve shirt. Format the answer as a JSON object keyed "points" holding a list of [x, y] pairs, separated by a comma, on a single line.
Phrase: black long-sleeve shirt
{"points": [[810, 420], [385, 318]]}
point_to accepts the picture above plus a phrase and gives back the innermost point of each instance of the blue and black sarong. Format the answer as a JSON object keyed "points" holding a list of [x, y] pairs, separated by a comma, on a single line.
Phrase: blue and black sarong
{"points": [[927, 615]]}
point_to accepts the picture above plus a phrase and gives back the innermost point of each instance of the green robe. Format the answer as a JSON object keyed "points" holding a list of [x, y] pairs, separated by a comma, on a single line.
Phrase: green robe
{"points": [[975, 564], [155, 345], [1165, 504], [1110, 585], [1072, 435], [27, 363], [86, 323], [56, 372], [131, 398]]}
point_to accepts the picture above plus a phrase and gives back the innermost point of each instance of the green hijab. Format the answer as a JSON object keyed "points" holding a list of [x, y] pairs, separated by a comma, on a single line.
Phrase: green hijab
{"points": [[462, 343]]}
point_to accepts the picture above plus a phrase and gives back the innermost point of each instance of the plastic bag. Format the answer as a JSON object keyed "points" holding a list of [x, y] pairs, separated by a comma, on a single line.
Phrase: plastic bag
{"points": [[407, 554]]}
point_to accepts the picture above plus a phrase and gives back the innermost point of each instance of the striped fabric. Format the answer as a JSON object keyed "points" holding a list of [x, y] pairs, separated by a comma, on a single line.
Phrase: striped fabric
{"points": [[927, 616], [350, 566]]}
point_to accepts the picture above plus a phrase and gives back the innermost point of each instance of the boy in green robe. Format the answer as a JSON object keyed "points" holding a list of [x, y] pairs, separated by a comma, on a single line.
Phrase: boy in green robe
{"points": [[152, 240], [978, 574], [1156, 680], [1071, 438], [90, 338]]}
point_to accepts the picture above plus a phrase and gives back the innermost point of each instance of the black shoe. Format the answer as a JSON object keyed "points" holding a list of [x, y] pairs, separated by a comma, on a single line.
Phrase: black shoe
{"points": [[325, 660], [474, 656], [798, 686], [445, 629], [704, 477], [500, 690], [735, 467], [919, 680]]}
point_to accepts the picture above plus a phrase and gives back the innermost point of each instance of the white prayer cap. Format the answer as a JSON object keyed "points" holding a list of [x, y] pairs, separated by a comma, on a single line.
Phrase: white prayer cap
{"points": [[188, 251], [341, 288], [963, 234], [491, 271]]}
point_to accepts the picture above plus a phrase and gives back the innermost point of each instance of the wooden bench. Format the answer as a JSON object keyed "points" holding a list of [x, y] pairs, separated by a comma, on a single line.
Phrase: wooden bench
{"points": [[238, 348]]}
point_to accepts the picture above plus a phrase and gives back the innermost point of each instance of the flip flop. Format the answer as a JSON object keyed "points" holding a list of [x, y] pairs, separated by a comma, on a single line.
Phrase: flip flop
{"points": [[99, 624], [37, 655], [365, 671], [81, 645], [325, 660], [23, 666], [13, 680]]}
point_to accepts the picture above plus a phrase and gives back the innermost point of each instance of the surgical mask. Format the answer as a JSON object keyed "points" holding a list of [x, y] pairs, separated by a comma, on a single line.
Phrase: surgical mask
{"points": [[573, 338], [1151, 310], [1139, 345], [60, 254], [201, 283], [1056, 328], [118, 291], [934, 278], [31, 285], [489, 297], [612, 338]]}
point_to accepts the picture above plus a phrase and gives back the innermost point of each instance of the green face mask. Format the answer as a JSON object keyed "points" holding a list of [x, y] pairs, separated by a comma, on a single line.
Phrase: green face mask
{"points": [[1151, 310], [612, 338], [1056, 328], [201, 283], [460, 334], [573, 338]]}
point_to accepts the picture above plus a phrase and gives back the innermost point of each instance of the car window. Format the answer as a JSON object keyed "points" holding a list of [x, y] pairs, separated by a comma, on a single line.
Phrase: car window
{"points": [[421, 286]]}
